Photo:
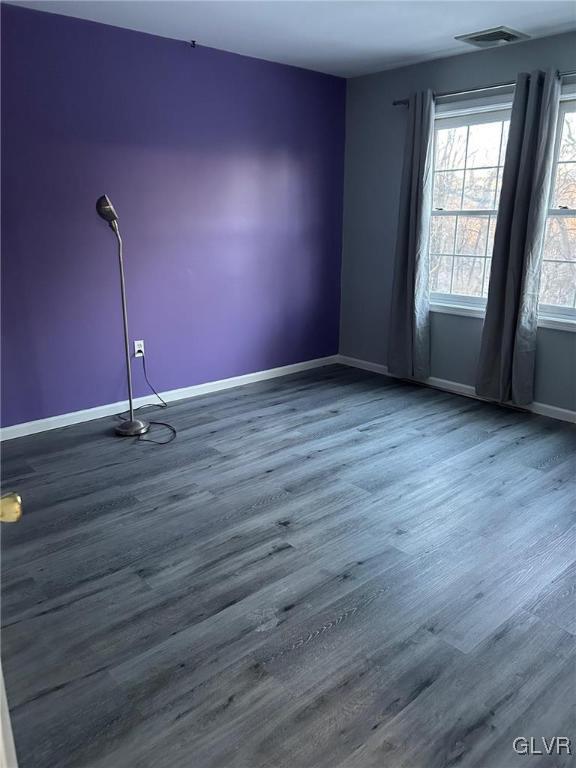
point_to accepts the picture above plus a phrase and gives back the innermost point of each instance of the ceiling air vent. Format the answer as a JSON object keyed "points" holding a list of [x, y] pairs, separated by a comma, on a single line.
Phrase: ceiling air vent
{"points": [[490, 38]]}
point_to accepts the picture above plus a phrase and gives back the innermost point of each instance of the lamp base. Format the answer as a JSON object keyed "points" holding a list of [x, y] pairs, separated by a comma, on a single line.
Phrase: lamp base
{"points": [[132, 428]]}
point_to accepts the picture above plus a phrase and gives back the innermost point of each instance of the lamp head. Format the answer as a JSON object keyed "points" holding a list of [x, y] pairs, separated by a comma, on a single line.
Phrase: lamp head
{"points": [[105, 209]]}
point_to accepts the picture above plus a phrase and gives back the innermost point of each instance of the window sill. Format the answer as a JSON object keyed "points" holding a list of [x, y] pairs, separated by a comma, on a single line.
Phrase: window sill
{"points": [[558, 323], [463, 310]]}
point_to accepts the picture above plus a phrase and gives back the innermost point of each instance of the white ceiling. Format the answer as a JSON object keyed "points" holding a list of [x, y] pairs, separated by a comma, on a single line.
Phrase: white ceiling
{"points": [[341, 37]]}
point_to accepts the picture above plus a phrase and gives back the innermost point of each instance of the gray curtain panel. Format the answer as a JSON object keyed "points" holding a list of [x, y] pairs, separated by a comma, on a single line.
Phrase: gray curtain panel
{"points": [[409, 340], [508, 350]]}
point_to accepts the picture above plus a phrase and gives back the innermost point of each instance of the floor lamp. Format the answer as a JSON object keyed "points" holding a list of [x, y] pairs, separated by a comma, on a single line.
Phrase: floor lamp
{"points": [[129, 427]]}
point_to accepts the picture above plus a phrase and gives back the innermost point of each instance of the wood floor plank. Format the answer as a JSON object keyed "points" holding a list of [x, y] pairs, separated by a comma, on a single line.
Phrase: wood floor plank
{"points": [[556, 603], [458, 719], [330, 569]]}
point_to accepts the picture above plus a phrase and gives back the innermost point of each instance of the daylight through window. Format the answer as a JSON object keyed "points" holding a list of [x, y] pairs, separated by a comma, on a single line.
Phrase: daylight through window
{"points": [[558, 278], [469, 153]]}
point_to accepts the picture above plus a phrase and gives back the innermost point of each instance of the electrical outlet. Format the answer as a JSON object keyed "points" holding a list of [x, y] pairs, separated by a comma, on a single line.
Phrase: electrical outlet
{"points": [[139, 348]]}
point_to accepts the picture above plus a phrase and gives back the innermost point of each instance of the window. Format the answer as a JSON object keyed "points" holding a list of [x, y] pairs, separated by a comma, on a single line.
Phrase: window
{"points": [[469, 151], [558, 278]]}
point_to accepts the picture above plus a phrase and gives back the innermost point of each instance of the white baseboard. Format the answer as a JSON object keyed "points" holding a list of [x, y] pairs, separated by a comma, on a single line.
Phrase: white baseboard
{"points": [[365, 365], [564, 414], [66, 419], [542, 409]]}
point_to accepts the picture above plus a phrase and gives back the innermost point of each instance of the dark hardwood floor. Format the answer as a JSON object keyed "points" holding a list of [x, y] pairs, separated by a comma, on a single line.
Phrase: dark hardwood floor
{"points": [[330, 569]]}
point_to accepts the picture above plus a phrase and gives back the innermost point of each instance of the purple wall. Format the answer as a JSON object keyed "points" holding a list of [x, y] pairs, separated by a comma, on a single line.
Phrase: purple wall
{"points": [[227, 175]]}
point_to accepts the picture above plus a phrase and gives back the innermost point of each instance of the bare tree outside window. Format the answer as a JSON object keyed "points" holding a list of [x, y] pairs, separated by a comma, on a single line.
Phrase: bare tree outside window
{"points": [[469, 152], [468, 162], [558, 279]]}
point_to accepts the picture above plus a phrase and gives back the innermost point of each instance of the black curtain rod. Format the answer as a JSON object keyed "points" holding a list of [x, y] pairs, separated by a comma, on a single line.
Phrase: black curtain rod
{"points": [[402, 102]]}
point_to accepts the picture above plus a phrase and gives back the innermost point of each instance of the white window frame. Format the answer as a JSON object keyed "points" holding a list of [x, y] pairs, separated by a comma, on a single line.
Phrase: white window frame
{"points": [[552, 315], [450, 303], [549, 316]]}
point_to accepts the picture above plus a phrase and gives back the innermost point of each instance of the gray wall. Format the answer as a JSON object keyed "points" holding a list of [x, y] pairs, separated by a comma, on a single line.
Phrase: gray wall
{"points": [[374, 151]]}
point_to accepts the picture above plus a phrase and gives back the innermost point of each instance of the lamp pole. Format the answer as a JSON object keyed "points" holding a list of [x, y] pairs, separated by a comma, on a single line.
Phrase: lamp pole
{"points": [[129, 427]]}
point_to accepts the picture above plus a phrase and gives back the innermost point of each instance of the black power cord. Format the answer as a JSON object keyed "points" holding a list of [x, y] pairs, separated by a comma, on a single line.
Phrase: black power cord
{"points": [[161, 404]]}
